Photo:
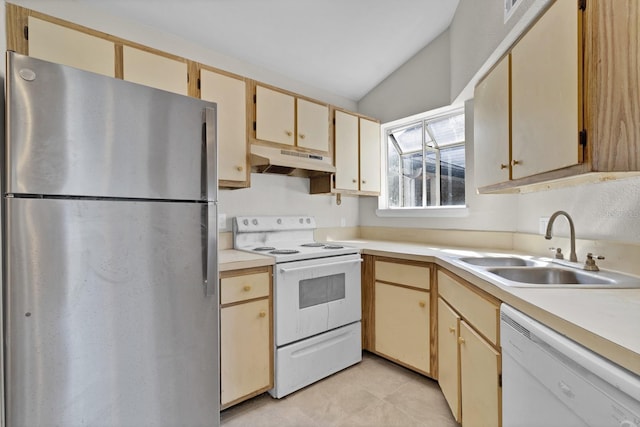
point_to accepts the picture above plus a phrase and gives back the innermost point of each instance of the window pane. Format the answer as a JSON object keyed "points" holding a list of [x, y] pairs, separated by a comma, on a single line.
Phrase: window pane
{"points": [[432, 182], [393, 176], [447, 130], [452, 172], [412, 180], [409, 139]]}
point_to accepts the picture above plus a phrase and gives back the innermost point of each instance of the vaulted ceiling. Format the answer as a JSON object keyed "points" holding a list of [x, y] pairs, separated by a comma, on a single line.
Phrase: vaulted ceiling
{"points": [[346, 47]]}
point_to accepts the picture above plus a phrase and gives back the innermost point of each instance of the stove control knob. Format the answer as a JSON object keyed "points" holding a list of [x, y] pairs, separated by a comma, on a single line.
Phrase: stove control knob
{"points": [[301, 221], [279, 221], [308, 220], [245, 222], [255, 222]]}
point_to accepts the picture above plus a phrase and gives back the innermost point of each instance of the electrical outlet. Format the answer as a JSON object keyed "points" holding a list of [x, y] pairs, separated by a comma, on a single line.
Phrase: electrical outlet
{"points": [[542, 226], [222, 221], [343, 222]]}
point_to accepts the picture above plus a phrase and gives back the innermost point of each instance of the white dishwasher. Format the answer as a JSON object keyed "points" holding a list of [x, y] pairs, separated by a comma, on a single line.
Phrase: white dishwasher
{"points": [[549, 380]]}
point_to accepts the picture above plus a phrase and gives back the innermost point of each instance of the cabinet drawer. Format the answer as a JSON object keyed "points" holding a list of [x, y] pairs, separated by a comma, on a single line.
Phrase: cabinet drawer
{"points": [[403, 274], [482, 313], [244, 287]]}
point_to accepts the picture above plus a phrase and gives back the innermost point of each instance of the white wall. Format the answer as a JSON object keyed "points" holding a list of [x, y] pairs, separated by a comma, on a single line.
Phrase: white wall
{"points": [[421, 84]]}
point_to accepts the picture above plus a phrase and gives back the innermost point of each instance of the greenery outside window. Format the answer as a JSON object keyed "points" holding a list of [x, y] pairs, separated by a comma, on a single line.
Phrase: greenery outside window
{"points": [[426, 163]]}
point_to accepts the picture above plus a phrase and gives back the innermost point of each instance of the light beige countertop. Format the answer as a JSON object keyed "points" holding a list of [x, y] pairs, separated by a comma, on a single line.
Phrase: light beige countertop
{"points": [[605, 320], [230, 259]]}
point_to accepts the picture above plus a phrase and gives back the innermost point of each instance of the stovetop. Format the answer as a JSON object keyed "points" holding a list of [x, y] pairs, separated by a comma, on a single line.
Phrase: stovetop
{"points": [[287, 238]]}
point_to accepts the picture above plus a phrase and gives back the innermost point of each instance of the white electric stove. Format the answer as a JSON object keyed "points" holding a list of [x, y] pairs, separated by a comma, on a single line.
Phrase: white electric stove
{"points": [[317, 301]]}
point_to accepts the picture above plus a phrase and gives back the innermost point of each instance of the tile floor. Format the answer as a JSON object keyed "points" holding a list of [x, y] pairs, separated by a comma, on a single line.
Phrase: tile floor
{"points": [[374, 392]]}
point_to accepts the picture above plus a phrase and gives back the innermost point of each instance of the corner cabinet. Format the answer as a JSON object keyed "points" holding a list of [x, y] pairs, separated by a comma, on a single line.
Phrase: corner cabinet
{"points": [[469, 359], [397, 312], [246, 334], [230, 94], [570, 113]]}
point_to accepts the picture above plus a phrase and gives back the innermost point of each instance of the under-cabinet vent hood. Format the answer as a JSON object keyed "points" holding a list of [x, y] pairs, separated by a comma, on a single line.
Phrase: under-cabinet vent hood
{"points": [[282, 161]]}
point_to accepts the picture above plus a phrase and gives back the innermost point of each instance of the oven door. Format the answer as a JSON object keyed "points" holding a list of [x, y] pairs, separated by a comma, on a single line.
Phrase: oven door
{"points": [[317, 295]]}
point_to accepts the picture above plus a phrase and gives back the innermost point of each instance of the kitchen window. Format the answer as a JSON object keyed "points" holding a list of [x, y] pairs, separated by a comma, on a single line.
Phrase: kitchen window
{"points": [[425, 163]]}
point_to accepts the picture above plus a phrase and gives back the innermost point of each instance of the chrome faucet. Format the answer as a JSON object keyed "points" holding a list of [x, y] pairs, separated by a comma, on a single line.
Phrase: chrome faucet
{"points": [[572, 256]]}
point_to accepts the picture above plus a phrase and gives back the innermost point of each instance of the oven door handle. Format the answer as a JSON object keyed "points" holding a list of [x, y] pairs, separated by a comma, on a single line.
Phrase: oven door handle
{"points": [[330, 264]]}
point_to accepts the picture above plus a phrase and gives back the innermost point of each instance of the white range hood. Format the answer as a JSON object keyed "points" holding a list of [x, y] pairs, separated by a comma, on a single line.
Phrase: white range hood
{"points": [[284, 161]]}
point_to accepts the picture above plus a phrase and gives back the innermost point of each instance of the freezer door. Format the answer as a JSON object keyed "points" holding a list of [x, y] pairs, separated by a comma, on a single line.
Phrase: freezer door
{"points": [[108, 323], [75, 133]]}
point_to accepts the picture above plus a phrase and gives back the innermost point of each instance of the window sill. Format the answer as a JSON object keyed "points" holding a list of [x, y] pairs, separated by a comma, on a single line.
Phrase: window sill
{"points": [[432, 212]]}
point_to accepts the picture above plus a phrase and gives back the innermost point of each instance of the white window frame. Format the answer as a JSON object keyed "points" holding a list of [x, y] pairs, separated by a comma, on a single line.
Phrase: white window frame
{"points": [[426, 211]]}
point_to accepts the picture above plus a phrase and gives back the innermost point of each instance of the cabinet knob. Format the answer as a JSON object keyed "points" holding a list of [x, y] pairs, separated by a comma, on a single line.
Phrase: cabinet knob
{"points": [[262, 314], [516, 162], [460, 340], [364, 181], [239, 168], [288, 132], [301, 136], [354, 180], [503, 166], [246, 288], [422, 304], [452, 330]]}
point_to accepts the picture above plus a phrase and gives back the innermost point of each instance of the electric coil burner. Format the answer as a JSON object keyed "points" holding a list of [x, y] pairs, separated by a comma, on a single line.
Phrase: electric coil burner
{"points": [[317, 301]]}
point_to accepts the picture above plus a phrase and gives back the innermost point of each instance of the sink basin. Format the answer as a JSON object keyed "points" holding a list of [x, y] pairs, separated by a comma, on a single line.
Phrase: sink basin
{"points": [[496, 261], [550, 276]]}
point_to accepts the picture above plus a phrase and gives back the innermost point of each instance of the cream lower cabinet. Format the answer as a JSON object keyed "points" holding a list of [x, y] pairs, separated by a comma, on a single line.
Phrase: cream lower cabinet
{"points": [[401, 313], [246, 335], [469, 360]]}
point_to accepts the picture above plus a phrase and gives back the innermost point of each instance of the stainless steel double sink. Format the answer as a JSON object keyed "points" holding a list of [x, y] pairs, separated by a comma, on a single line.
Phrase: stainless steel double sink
{"points": [[530, 272]]}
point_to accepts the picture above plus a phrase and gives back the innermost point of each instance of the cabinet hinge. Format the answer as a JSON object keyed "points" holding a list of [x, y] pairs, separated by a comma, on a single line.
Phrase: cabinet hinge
{"points": [[254, 125], [254, 99], [583, 137], [25, 31], [499, 380], [198, 83], [582, 4], [187, 77]]}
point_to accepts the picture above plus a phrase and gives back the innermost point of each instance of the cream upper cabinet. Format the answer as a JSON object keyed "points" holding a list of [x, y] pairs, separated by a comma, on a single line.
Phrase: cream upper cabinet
{"points": [[491, 135], [369, 155], [448, 357], [275, 116], [346, 151], [544, 100], [149, 69], [63, 45], [230, 95], [313, 125], [357, 153], [286, 119]]}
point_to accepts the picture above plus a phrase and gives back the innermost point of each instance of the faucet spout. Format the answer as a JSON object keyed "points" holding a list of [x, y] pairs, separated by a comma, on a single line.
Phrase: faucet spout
{"points": [[572, 256]]}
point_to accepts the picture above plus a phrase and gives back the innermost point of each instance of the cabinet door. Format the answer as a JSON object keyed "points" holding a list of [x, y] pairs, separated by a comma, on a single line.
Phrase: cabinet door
{"points": [[402, 325], [153, 70], [448, 358], [491, 126], [545, 104], [369, 155], [346, 155], [313, 125], [230, 95], [479, 371], [245, 353], [62, 45], [275, 114]]}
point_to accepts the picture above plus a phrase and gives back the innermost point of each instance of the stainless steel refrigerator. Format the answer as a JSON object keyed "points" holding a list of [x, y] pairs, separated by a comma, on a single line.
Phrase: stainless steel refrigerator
{"points": [[109, 252]]}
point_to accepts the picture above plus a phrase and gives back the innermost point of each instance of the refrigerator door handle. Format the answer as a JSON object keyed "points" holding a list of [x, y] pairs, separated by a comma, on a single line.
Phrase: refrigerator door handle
{"points": [[211, 154], [211, 185], [211, 250]]}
